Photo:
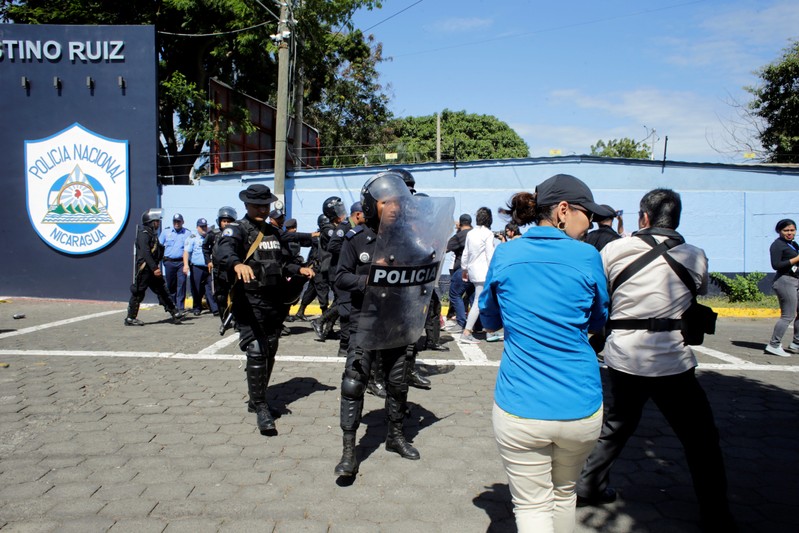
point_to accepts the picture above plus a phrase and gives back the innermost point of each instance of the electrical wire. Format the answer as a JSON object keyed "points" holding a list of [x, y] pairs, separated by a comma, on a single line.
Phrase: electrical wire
{"points": [[392, 16], [161, 32]]}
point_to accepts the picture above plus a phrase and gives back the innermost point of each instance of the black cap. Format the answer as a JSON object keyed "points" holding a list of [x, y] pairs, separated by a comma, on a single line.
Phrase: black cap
{"points": [[257, 194], [177, 217], [275, 214], [291, 223], [465, 219], [566, 188], [356, 208], [201, 222], [600, 217]]}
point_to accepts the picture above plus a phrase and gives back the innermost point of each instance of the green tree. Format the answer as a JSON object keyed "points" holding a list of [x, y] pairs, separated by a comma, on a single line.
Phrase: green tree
{"points": [[226, 39], [464, 136], [624, 147], [776, 105]]}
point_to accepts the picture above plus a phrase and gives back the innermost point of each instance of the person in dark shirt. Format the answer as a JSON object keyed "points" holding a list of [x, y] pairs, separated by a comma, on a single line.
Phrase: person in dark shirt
{"points": [[785, 260], [457, 287], [149, 253], [605, 232], [259, 262]]}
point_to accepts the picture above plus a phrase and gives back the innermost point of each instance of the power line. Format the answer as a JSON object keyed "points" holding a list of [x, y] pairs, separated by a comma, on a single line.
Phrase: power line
{"points": [[391, 16], [213, 34]]}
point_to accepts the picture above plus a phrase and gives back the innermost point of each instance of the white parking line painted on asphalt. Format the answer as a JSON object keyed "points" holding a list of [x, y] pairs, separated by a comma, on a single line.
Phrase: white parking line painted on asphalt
{"points": [[32, 329], [748, 367], [471, 352], [218, 345], [721, 355]]}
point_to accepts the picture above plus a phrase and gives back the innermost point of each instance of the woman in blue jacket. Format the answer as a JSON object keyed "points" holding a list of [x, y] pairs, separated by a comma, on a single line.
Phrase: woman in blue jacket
{"points": [[547, 289]]}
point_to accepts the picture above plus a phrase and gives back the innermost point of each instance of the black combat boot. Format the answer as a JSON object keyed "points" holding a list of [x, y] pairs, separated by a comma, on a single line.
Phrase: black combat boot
{"points": [[417, 380], [177, 316], [257, 379], [348, 466], [319, 328], [376, 388], [395, 442], [133, 322]]}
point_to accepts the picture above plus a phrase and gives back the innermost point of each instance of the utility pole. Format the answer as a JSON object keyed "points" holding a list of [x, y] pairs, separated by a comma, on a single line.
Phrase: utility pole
{"points": [[299, 90], [438, 137], [281, 120]]}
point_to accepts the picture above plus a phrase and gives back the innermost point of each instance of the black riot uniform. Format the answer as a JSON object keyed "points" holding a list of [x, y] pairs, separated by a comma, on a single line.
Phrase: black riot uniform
{"points": [[219, 277], [351, 277], [148, 255], [259, 306], [329, 248], [318, 287]]}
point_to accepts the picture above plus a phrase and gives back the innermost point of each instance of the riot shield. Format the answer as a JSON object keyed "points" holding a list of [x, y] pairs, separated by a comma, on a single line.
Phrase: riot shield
{"points": [[405, 267]]}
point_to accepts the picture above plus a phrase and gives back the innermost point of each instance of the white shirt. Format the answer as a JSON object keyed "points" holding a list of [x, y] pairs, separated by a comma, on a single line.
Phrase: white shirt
{"points": [[654, 292], [477, 253]]}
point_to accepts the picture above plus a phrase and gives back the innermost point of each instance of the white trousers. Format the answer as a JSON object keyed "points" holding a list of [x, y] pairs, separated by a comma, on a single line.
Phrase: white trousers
{"points": [[543, 460]]}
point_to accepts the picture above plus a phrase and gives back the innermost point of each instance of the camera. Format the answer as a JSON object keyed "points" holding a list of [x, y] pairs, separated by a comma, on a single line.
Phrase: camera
{"points": [[499, 235], [620, 212]]}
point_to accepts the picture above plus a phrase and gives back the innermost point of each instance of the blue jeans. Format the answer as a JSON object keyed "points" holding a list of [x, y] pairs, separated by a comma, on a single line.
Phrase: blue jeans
{"points": [[457, 289]]}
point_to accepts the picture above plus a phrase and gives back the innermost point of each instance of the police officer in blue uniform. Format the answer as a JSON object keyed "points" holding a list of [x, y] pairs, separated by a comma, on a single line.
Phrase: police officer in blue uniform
{"points": [[173, 240], [148, 254], [351, 276], [195, 265], [258, 262]]}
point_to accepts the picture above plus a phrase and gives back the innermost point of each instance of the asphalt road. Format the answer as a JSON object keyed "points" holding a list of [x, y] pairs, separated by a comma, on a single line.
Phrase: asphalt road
{"points": [[112, 428]]}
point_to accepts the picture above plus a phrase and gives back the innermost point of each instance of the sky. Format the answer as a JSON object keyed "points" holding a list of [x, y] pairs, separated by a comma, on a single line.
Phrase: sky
{"points": [[566, 74]]}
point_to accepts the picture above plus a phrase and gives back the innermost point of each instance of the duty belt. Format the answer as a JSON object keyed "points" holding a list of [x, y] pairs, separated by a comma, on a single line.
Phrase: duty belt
{"points": [[649, 324], [173, 259]]}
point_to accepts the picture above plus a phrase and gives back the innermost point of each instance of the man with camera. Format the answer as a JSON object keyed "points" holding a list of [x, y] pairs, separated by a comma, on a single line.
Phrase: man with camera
{"points": [[648, 357]]}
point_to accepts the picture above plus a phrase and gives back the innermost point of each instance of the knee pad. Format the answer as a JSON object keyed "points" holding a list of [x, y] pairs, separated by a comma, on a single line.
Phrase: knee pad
{"points": [[352, 388], [254, 353]]}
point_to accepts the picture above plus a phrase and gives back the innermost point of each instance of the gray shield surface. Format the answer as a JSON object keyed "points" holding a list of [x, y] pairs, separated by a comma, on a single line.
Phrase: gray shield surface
{"points": [[405, 267]]}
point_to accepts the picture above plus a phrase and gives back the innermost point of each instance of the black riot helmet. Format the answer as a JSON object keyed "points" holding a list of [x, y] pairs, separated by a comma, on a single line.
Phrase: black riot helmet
{"points": [[226, 212], [152, 215], [333, 208], [322, 220], [383, 186], [408, 178]]}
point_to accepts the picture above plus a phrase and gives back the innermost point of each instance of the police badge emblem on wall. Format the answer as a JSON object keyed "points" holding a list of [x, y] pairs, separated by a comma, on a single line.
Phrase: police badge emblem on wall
{"points": [[77, 185]]}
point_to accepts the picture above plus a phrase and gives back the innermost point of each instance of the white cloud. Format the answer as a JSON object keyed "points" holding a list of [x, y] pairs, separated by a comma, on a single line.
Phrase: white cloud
{"points": [[738, 41], [690, 122], [459, 25]]}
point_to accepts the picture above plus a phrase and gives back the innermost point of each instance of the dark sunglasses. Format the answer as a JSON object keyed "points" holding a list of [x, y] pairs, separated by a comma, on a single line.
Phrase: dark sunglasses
{"points": [[588, 214]]}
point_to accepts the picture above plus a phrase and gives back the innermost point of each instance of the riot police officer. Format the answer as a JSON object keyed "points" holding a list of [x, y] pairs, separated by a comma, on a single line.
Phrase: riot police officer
{"points": [[224, 216], [147, 274], [351, 276], [318, 287], [333, 208], [256, 259]]}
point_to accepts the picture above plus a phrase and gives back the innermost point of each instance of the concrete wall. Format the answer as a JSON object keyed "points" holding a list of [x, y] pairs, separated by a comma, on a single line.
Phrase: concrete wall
{"points": [[729, 210]]}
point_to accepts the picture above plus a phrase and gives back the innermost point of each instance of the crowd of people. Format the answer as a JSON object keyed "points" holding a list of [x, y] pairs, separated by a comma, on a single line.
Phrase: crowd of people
{"points": [[601, 296]]}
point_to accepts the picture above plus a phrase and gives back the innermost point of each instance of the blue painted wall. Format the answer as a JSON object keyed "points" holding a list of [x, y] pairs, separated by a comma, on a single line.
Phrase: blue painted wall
{"points": [[729, 210]]}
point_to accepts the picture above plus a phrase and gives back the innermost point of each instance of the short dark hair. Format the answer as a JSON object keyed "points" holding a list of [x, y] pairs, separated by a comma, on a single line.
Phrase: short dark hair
{"points": [[484, 217], [512, 226], [663, 207], [784, 223]]}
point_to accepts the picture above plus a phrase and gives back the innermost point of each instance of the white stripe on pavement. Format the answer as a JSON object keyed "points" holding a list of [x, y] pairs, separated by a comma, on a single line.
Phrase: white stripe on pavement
{"points": [[218, 345], [721, 355], [32, 329], [471, 352]]}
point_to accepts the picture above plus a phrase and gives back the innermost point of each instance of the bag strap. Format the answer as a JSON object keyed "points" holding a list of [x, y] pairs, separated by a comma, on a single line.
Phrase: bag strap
{"points": [[678, 268], [636, 266], [254, 245]]}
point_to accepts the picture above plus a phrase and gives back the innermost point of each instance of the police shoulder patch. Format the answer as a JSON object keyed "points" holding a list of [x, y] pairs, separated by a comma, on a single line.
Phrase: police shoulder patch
{"points": [[354, 231], [364, 257], [340, 233], [330, 233], [227, 232]]}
